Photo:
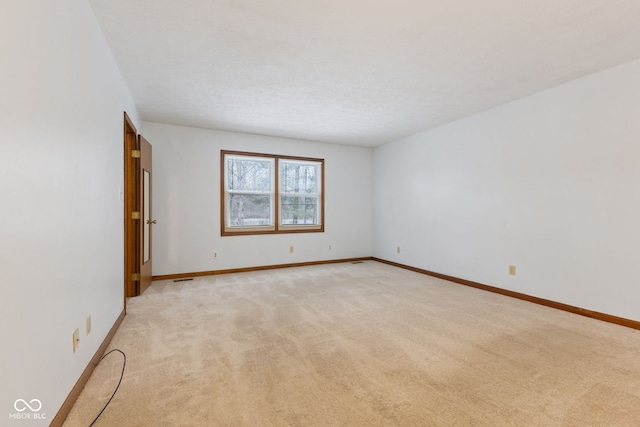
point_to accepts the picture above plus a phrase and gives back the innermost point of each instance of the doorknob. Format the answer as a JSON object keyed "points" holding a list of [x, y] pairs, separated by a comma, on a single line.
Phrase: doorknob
{"points": [[152, 222]]}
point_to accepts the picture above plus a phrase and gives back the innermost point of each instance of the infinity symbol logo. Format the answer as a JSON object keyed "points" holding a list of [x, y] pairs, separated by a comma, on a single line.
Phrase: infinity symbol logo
{"points": [[21, 403]]}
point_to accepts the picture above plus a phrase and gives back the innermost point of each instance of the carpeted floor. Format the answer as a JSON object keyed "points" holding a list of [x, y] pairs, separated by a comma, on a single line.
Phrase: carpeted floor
{"points": [[362, 344]]}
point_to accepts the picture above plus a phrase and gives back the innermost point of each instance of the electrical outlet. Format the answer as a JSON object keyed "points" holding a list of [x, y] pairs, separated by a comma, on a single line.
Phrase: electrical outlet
{"points": [[88, 325], [215, 255], [329, 247], [512, 270], [398, 249], [76, 339], [291, 249]]}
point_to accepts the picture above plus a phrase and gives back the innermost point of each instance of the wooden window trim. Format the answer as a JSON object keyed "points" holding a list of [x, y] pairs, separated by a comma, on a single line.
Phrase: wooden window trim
{"points": [[277, 228]]}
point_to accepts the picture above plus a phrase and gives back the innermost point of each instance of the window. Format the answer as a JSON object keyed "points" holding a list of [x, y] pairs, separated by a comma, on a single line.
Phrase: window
{"points": [[265, 193]]}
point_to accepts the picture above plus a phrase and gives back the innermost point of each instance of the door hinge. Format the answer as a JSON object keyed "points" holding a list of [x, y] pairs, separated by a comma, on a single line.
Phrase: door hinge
{"points": [[135, 277], [135, 154], [135, 215]]}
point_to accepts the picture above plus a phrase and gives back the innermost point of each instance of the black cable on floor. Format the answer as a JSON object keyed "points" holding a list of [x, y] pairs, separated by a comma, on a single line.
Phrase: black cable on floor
{"points": [[124, 363]]}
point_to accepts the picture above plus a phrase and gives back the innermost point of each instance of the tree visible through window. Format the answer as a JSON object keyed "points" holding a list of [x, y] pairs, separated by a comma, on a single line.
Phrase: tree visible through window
{"points": [[250, 183], [299, 192], [263, 193]]}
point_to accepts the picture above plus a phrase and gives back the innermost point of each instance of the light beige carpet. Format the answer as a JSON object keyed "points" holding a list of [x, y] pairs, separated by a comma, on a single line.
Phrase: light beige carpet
{"points": [[359, 345]]}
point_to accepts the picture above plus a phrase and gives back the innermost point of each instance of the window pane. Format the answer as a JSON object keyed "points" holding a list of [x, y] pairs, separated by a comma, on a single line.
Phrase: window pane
{"points": [[299, 177], [249, 174], [299, 210], [247, 210]]}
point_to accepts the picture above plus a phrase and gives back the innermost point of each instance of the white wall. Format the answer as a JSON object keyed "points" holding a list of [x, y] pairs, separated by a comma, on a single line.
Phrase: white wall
{"points": [[186, 202], [549, 183], [61, 220]]}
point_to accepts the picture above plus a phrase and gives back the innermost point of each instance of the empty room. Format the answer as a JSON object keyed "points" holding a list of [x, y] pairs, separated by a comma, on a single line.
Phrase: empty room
{"points": [[336, 213]]}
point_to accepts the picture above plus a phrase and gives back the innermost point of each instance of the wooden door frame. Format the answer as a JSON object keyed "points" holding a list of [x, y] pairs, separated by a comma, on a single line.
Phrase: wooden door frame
{"points": [[131, 239]]}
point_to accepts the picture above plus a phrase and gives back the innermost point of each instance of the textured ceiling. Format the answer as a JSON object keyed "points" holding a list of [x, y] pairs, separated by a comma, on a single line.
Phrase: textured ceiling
{"points": [[356, 72]]}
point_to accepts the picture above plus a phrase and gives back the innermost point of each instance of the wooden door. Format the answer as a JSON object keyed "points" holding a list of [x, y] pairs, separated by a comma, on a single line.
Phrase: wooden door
{"points": [[146, 221], [137, 218]]}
